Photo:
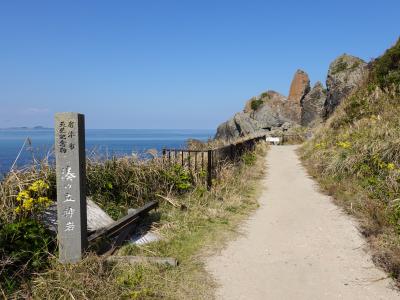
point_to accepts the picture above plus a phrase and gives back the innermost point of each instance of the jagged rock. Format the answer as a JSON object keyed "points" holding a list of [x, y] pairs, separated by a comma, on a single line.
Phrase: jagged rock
{"points": [[299, 87], [268, 116], [286, 126], [269, 112], [272, 97], [240, 125], [313, 105], [345, 74], [227, 131]]}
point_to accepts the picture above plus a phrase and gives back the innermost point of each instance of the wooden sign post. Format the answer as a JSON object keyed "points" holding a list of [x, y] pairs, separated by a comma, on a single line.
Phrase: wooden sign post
{"points": [[71, 177]]}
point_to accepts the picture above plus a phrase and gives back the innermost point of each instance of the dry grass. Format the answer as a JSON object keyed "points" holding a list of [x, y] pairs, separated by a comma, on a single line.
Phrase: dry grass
{"points": [[356, 158], [208, 216]]}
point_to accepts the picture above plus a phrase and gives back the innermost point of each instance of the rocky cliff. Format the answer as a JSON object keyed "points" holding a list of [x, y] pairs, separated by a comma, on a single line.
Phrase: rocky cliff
{"points": [[345, 74], [313, 105], [299, 88], [304, 106]]}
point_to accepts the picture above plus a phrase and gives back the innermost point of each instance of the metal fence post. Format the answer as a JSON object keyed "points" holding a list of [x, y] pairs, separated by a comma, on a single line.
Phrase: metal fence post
{"points": [[209, 169]]}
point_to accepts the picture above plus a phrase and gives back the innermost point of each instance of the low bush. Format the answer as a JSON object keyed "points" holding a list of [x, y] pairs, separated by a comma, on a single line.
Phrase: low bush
{"points": [[256, 104], [386, 69]]}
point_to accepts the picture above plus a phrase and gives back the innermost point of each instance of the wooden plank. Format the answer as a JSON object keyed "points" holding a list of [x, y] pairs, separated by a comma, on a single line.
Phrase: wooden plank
{"points": [[124, 222], [123, 235]]}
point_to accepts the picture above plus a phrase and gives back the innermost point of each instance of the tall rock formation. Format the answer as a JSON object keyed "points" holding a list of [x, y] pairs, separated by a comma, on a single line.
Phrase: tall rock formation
{"points": [[313, 105], [299, 87], [345, 74]]}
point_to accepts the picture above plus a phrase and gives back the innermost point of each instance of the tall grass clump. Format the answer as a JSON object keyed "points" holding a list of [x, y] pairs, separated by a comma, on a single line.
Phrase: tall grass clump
{"points": [[121, 183], [356, 157]]}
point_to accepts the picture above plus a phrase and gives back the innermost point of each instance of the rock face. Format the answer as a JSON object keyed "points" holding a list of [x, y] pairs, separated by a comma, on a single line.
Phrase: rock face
{"points": [[268, 111], [274, 112], [264, 112], [313, 105], [345, 74], [299, 87], [240, 125]]}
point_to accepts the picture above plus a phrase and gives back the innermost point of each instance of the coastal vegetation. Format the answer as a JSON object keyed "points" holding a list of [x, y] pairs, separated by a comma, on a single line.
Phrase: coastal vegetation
{"points": [[256, 103], [28, 250], [355, 157]]}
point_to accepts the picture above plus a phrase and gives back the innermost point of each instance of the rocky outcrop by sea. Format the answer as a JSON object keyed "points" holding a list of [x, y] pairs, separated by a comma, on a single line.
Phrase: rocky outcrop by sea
{"points": [[305, 106], [345, 74]]}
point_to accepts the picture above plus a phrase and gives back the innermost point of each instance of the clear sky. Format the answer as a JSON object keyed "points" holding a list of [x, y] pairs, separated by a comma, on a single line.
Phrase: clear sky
{"points": [[172, 64]]}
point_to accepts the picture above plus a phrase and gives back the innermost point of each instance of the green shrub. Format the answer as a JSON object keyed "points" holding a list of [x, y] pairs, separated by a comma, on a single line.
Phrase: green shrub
{"points": [[265, 95], [255, 104], [249, 158], [179, 177], [24, 248], [386, 69], [340, 67]]}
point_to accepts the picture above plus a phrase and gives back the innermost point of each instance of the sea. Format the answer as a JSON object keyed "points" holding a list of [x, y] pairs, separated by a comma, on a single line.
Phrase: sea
{"points": [[22, 147]]}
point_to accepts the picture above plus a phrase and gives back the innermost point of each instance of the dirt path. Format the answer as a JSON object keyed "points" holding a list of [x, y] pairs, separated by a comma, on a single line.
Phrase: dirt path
{"points": [[298, 245]]}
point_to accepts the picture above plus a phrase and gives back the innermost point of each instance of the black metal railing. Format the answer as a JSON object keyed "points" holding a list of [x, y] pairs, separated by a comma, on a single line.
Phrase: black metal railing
{"points": [[209, 161]]}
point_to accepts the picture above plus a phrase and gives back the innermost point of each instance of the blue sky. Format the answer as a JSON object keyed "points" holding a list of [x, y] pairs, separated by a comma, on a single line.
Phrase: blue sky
{"points": [[172, 64]]}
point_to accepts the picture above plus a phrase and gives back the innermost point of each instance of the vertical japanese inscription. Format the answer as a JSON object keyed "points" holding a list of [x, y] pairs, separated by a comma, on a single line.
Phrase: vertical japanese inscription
{"points": [[71, 196]]}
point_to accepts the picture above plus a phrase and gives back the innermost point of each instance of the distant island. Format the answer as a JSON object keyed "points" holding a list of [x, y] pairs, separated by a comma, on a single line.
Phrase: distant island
{"points": [[26, 128]]}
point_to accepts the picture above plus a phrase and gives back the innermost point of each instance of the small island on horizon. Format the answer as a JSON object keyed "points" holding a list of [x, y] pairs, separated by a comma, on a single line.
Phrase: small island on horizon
{"points": [[26, 128]]}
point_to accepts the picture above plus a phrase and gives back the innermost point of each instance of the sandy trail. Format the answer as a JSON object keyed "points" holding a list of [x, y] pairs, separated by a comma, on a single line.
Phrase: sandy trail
{"points": [[297, 245]]}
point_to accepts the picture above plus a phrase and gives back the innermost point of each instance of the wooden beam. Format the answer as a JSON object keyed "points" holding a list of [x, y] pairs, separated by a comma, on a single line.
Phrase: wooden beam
{"points": [[115, 228]]}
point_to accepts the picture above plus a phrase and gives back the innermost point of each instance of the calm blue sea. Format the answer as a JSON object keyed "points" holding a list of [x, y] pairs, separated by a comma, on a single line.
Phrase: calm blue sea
{"points": [[105, 142]]}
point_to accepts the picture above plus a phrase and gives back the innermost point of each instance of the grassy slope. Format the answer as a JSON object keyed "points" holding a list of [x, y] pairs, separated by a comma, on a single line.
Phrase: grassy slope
{"points": [[356, 157], [210, 218]]}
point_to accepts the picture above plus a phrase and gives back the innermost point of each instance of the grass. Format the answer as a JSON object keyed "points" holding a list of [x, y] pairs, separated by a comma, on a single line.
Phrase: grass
{"points": [[209, 217], [355, 156]]}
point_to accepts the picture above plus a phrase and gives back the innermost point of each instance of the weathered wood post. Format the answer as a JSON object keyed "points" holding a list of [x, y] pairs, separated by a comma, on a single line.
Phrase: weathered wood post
{"points": [[71, 177]]}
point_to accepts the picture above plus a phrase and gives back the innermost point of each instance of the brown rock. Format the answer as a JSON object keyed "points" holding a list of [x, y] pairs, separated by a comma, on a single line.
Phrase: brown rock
{"points": [[299, 87]]}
